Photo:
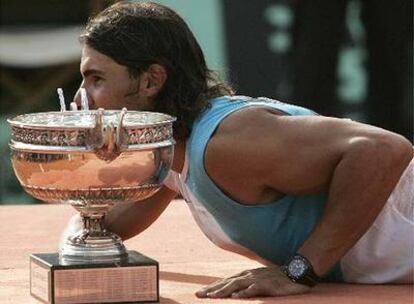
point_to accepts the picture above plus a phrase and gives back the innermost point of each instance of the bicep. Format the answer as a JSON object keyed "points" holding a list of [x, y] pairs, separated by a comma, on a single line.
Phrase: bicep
{"points": [[300, 153], [289, 154]]}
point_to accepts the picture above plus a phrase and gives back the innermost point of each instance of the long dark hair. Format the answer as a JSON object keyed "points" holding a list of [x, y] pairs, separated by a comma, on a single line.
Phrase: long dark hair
{"points": [[138, 34]]}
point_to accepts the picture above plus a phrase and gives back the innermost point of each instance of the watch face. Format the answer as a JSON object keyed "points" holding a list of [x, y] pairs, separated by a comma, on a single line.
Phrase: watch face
{"points": [[297, 268]]}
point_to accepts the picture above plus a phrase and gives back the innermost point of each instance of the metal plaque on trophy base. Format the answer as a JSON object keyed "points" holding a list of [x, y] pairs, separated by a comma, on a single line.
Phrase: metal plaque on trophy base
{"points": [[132, 280], [92, 160]]}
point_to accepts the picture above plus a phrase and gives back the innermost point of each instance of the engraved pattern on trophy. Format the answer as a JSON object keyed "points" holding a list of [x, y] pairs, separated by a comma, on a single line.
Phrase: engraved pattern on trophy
{"points": [[76, 138]]}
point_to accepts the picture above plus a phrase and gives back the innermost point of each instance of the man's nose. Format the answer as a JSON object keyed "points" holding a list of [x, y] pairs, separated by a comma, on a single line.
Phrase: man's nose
{"points": [[78, 98]]}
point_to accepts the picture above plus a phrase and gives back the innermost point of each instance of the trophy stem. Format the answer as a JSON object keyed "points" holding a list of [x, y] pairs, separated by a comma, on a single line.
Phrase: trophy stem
{"points": [[94, 243], [94, 225]]}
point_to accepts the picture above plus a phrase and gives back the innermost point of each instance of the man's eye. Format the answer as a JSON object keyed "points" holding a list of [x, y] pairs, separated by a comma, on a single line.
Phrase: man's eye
{"points": [[97, 79]]}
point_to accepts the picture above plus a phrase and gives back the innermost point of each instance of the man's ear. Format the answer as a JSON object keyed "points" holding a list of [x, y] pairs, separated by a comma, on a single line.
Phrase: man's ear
{"points": [[153, 80]]}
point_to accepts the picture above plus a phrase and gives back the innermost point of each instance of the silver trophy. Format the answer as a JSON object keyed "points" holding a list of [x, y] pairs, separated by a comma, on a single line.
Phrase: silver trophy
{"points": [[92, 160]]}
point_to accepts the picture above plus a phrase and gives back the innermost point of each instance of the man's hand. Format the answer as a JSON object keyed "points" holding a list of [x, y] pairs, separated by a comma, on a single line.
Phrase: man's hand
{"points": [[265, 281]]}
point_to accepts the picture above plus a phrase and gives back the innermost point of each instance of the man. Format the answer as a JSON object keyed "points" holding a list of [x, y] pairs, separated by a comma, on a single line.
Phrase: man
{"points": [[272, 181]]}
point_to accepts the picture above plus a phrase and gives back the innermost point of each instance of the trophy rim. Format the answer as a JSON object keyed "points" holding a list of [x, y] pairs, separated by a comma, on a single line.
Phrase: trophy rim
{"points": [[49, 149], [14, 122], [69, 131]]}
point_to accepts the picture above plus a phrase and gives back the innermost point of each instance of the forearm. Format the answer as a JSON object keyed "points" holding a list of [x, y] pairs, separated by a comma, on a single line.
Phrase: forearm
{"points": [[130, 219], [361, 184]]}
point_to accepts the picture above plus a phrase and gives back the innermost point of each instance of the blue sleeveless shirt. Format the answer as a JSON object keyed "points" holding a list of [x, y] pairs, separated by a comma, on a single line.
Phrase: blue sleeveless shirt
{"points": [[273, 231]]}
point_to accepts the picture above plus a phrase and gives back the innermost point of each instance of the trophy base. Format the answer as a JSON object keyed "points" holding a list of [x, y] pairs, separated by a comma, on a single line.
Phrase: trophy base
{"points": [[131, 280]]}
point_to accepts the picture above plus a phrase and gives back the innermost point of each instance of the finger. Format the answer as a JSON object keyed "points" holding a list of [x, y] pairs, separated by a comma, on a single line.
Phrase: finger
{"points": [[219, 284], [241, 274], [202, 293], [228, 289], [253, 290], [257, 289]]}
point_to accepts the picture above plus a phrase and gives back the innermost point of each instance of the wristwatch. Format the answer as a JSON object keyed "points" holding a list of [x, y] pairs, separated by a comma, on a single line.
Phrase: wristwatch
{"points": [[300, 270]]}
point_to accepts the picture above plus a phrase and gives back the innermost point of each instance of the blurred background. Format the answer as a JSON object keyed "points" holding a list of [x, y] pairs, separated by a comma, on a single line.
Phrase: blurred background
{"points": [[345, 58]]}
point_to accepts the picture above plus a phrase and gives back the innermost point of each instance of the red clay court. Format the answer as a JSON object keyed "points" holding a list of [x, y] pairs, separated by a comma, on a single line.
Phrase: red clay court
{"points": [[188, 260]]}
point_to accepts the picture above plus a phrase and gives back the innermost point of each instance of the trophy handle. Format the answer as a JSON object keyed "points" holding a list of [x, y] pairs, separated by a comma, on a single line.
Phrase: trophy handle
{"points": [[108, 141], [121, 134]]}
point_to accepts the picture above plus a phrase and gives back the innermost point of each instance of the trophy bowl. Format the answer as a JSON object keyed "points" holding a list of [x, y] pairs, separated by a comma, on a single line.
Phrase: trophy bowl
{"points": [[92, 160]]}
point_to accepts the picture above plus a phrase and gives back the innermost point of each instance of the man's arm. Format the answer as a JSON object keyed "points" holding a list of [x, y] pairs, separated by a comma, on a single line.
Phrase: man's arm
{"points": [[358, 165], [362, 180], [130, 219]]}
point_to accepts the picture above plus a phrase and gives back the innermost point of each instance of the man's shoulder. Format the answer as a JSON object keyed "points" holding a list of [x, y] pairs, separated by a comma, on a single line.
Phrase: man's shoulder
{"points": [[241, 141], [238, 159], [248, 124]]}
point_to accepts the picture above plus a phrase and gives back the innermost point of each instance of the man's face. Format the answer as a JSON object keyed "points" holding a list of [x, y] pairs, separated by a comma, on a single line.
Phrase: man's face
{"points": [[108, 84]]}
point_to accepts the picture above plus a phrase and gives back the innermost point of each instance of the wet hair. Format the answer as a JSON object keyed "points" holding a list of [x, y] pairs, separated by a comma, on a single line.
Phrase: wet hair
{"points": [[138, 34]]}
